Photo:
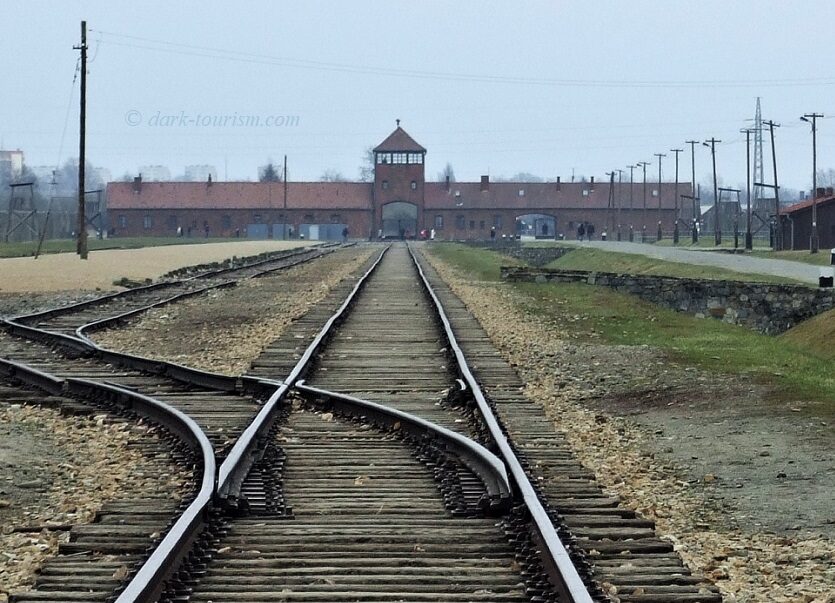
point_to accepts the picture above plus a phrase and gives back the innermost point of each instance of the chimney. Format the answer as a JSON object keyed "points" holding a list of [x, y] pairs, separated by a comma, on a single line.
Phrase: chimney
{"points": [[209, 181], [828, 191], [447, 183], [485, 183], [820, 192], [137, 184], [591, 187], [559, 184]]}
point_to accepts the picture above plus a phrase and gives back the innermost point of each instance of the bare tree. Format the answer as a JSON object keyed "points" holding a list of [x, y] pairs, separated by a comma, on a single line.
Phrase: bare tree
{"points": [[331, 175], [366, 171], [447, 172]]}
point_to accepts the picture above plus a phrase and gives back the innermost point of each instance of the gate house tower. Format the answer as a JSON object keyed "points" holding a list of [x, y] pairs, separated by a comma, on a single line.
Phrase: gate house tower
{"points": [[399, 180]]}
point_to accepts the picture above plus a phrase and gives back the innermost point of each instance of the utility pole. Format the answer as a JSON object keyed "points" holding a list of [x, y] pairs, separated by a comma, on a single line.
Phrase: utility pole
{"points": [[644, 165], [736, 213], [611, 201], [749, 241], [286, 217], [697, 210], [677, 216], [631, 204], [620, 198], [813, 119], [81, 244], [658, 234], [717, 230], [778, 227]]}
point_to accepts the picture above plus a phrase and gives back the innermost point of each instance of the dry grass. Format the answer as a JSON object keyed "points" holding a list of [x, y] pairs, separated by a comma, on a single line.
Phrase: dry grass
{"points": [[65, 271]]}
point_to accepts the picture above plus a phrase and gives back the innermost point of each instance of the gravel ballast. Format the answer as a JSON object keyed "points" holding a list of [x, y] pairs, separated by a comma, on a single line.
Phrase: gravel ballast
{"points": [[58, 470], [579, 382]]}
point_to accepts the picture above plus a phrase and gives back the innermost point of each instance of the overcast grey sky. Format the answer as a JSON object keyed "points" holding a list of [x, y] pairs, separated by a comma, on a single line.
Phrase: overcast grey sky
{"points": [[498, 88]]}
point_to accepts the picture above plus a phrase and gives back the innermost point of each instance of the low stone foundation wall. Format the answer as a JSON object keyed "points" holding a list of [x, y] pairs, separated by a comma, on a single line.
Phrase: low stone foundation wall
{"points": [[766, 308], [534, 256]]}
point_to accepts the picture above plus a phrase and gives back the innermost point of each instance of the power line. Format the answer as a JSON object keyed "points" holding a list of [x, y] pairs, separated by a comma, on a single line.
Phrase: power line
{"points": [[256, 58]]}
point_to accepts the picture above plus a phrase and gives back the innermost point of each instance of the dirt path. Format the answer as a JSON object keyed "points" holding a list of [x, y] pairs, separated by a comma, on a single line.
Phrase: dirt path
{"points": [[65, 271]]}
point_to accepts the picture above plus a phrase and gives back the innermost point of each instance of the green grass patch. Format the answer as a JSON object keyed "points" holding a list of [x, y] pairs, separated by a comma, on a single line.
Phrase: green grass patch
{"points": [[598, 260], [797, 365], [815, 335], [796, 369], [821, 258], [480, 264], [13, 250]]}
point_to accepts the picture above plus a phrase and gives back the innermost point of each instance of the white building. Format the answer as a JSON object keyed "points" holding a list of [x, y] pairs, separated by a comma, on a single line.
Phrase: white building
{"points": [[155, 173], [11, 163], [200, 173]]}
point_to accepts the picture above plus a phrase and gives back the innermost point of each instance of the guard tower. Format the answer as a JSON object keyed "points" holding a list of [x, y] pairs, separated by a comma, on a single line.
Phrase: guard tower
{"points": [[399, 179]]}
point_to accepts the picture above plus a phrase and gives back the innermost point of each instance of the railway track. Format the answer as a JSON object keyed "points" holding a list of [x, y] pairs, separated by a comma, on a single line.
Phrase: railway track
{"points": [[58, 358], [398, 493], [389, 475]]}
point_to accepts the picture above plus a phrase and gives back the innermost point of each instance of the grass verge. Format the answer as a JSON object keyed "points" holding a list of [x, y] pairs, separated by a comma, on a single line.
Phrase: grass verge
{"points": [[797, 367], [589, 258], [818, 259], [13, 250]]}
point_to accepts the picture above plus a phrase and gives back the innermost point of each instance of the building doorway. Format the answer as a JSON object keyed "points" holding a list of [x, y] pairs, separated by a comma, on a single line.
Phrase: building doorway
{"points": [[536, 226], [399, 220]]}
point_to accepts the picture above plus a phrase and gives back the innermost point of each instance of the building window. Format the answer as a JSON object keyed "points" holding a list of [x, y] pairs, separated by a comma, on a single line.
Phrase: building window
{"points": [[585, 192], [385, 185], [256, 218], [308, 218], [655, 192], [481, 225], [399, 157], [472, 224], [439, 222], [497, 221], [336, 219], [416, 158], [172, 222], [147, 222], [123, 221], [413, 185], [383, 158], [226, 221], [521, 192], [460, 223]]}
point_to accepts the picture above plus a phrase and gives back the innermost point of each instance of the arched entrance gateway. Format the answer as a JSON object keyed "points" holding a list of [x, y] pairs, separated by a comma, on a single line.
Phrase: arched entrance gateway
{"points": [[536, 226], [399, 220]]}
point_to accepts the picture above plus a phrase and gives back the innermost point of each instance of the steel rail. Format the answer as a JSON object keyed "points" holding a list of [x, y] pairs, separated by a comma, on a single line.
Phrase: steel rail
{"points": [[149, 581], [103, 323], [240, 459], [160, 285], [32, 376], [483, 463], [561, 571], [96, 325]]}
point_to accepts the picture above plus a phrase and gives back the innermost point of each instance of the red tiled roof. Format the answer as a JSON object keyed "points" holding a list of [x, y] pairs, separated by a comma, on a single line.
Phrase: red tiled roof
{"points": [[505, 195], [806, 203], [239, 195], [399, 140]]}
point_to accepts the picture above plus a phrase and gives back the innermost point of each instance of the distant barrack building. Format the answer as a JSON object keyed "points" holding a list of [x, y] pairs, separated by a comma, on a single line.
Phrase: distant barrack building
{"points": [[398, 203]]}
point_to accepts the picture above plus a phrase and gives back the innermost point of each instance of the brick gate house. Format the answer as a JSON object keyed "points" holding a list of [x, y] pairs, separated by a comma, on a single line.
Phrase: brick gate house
{"points": [[398, 203]]}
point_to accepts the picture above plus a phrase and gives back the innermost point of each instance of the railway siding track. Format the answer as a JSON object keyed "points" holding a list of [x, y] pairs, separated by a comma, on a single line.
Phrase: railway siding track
{"points": [[99, 556], [81, 376]]}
